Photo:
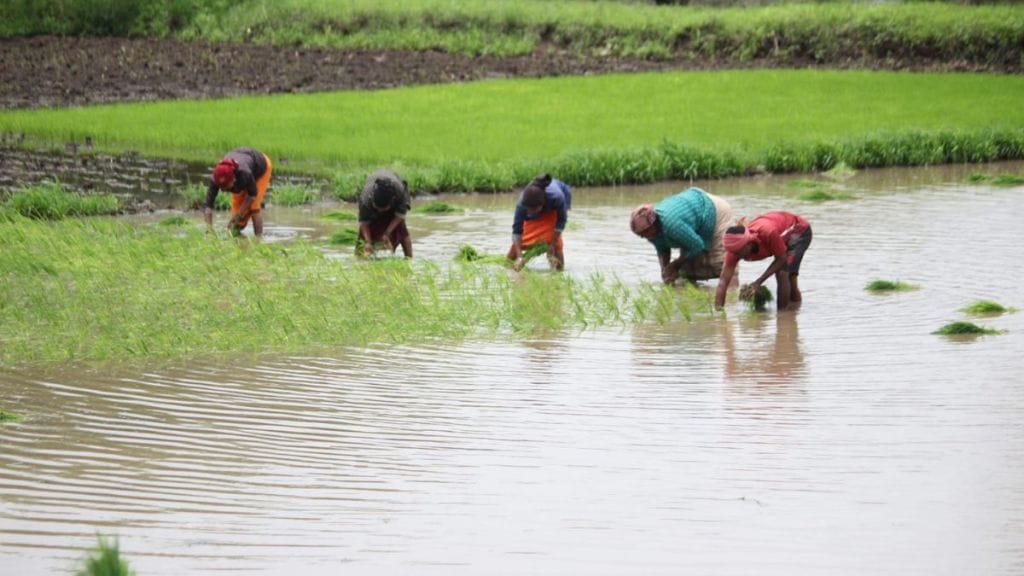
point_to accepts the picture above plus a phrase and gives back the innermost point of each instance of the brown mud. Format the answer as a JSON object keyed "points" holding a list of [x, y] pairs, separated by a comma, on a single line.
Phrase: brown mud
{"points": [[48, 71]]}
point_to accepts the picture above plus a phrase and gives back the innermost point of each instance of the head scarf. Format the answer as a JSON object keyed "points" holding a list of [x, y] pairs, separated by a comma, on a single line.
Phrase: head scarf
{"points": [[224, 173], [735, 241], [642, 218], [385, 191]]}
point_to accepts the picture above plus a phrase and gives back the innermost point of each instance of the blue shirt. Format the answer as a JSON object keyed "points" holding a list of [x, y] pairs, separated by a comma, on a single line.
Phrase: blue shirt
{"points": [[557, 196], [687, 221]]}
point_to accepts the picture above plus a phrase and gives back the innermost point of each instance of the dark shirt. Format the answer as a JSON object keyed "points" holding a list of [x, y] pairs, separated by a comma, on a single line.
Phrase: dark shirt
{"points": [[252, 164], [401, 205], [557, 196]]}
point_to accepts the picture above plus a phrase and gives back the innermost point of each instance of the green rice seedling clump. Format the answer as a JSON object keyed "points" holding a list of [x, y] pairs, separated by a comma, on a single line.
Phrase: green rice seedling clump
{"points": [[293, 195], [340, 215], [6, 416], [758, 301], [986, 308], [978, 177], [824, 196], [344, 237], [1008, 180], [51, 202], [106, 560], [889, 286], [961, 328], [436, 207], [194, 197], [176, 220], [802, 183]]}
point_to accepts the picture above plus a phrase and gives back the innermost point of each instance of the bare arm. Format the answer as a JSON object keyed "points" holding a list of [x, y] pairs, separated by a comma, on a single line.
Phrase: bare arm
{"points": [[724, 279]]}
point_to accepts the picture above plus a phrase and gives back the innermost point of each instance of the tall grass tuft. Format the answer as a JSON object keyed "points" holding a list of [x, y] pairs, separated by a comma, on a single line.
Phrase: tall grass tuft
{"points": [[889, 286], [960, 328], [293, 195], [106, 560], [51, 202], [103, 289]]}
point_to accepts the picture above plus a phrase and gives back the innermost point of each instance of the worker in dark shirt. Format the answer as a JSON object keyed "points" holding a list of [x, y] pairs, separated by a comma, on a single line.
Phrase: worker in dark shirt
{"points": [[383, 204], [245, 173]]}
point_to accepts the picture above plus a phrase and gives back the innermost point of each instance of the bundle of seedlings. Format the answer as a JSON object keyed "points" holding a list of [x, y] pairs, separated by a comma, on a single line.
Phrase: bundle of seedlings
{"points": [[758, 301]]}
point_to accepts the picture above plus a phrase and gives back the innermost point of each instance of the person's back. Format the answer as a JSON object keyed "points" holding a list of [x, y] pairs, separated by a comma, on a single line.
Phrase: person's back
{"points": [[687, 221]]}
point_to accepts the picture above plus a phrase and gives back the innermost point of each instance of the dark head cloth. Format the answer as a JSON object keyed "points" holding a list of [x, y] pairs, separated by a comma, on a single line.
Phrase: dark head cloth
{"points": [[385, 191]]}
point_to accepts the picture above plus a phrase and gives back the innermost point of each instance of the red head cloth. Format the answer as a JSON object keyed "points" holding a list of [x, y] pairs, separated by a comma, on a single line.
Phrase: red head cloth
{"points": [[224, 173], [642, 218], [735, 241]]}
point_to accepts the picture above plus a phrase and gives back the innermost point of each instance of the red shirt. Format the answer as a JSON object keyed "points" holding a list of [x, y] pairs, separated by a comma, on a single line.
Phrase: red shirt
{"points": [[773, 230]]}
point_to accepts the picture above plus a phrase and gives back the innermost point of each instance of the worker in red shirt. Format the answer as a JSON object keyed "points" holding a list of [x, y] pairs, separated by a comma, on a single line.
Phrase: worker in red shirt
{"points": [[245, 173], [784, 237]]}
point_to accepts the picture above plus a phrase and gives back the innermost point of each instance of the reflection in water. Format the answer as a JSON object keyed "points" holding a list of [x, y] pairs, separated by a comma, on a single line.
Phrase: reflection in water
{"points": [[834, 440]]}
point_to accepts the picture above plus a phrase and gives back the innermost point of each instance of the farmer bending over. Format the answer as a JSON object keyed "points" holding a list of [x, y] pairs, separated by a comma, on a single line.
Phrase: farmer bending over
{"points": [[383, 204], [783, 236], [692, 221], [245, 173], [541, 213]]}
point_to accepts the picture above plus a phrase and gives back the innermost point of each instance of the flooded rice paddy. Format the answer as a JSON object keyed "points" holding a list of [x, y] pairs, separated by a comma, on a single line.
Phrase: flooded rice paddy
{"points": [[844, 438]]}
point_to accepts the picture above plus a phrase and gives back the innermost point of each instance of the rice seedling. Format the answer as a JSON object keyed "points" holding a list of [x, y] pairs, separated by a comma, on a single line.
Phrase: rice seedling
{"points": [[824, 196], [176, 220], [758, 301], [51, 202], [978, 177], [964, 329], [878, 286], [105, 560], [345, 237], [803, 183], [194, 196], [1008, 180], [292, 195], [436, 207], [925, 118], [340, 215], [95, 290], [6, 416], [987, 308]]}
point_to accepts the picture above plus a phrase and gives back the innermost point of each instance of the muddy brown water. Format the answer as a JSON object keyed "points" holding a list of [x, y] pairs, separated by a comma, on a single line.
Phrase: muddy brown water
{"points": [[841, 439]]}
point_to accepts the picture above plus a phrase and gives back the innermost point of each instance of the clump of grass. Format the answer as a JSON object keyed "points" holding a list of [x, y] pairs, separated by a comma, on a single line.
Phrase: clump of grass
{"points": [[840, 171], [51, 202], [340, 215], [106, 560], [1008, 180], [437, 207], [824, 196], [978, 177], [177, 220], [802, 183], [960, 328], [986, 308], [195, 197], [6, 416], [889, 286], [758, 301], [467, 253], [293, 195], [344, 237]]}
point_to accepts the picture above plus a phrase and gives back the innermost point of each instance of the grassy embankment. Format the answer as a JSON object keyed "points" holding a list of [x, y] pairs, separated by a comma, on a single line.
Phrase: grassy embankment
{"points": [[613, 129], [103, 289], [818, 32]]}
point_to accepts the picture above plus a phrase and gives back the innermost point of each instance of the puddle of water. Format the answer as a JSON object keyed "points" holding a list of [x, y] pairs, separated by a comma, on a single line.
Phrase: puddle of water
{"points": [[835, 440]]}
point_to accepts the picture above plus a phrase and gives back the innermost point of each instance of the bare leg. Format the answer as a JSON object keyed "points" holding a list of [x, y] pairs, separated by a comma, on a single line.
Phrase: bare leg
{"points": [[257, 223], [559, 261], [407, 246], [794, 289]]}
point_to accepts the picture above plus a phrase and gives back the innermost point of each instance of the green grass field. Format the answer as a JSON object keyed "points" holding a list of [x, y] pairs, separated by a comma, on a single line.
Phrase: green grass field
{"points": [[502, 132]]}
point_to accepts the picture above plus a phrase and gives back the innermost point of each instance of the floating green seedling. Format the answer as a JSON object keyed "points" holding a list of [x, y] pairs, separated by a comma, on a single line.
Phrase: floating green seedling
{"points": [[344, 237], [824, 196], [105, 560], [964, 329], [889, 286], [986, 308], [340, 215], [758, 301], [437, 207], [174, 221], [1008, 180], [801, 183], [978, 177], [6, 416]]}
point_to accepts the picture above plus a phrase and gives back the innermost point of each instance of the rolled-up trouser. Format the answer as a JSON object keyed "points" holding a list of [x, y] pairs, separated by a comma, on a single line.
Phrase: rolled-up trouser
{"points": [[796, 245], [708, 265]]}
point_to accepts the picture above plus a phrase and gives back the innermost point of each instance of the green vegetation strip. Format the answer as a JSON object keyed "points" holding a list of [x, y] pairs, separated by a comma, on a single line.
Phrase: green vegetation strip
{"points": [[103, 289], [833, 32], [105, 560], [614, 129], [6, 416], [987, 308], [889, 286], [964, 329]]}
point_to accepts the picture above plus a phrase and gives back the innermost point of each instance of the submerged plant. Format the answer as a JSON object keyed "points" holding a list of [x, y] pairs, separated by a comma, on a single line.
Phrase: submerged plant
{"points": [[889, 286], [6, 416], [436, 207], [978, 177], [986, 307], [105, 560], [964, 329]]}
